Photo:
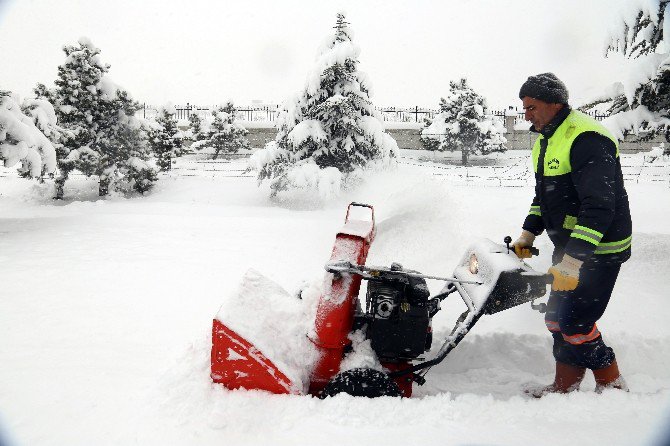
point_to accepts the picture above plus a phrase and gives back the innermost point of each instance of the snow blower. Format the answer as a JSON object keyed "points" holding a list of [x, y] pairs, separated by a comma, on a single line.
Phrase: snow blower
{"points": [[396, 319]]}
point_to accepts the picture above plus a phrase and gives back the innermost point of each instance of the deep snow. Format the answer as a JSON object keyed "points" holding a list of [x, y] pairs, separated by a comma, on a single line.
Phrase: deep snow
{"points": [[107, 305]]}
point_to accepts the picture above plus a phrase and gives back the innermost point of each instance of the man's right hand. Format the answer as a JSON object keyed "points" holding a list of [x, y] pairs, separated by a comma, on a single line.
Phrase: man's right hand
{"points": [[523, 243]]}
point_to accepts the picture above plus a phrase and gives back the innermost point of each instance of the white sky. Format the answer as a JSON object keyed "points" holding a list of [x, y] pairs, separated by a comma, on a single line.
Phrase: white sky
{"points": [[205, 52]]}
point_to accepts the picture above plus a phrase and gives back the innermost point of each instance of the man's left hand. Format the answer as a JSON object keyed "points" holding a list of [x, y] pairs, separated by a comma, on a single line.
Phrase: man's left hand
{"points": [[566, 274]]}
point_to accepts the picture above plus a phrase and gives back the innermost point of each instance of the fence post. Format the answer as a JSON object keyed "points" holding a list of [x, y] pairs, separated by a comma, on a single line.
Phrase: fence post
{"points": [[510, 117], [416, 113]]}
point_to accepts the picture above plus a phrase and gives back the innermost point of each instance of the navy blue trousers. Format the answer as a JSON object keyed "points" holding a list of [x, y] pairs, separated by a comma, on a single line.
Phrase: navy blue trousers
{"points": [[572, 315]]}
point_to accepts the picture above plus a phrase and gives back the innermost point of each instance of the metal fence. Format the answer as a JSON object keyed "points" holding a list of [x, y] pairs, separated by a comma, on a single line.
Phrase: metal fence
{"points": [[268, 113]]}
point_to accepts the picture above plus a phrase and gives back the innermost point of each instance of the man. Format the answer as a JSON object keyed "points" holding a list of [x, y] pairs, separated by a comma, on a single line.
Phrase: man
{"points": [[581, 202]]}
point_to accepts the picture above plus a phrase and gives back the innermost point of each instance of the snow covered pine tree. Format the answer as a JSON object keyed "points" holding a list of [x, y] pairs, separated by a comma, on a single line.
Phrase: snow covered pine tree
{"points": [[105, 138], [462, 125], [195, 124], [644, 101], [225, 135], [330, 130], [21, 141], [43, 115], [165, 138]]}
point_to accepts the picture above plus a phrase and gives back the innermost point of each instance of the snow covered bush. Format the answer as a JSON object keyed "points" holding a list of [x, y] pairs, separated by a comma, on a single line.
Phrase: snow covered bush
{"points": [[105, 138], [22, 141], [224, 135], [462, 124], [429, 141], [165, 138], [642, 101], [655, 153], [329, 131]]}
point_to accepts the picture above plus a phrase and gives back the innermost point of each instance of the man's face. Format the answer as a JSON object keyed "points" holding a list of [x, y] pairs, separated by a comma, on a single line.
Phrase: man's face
{"points": [[539, 112]]}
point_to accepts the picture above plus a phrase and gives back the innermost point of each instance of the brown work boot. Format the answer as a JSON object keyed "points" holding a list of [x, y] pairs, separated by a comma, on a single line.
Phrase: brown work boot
{"points": [[609, 378], [567, 379]]}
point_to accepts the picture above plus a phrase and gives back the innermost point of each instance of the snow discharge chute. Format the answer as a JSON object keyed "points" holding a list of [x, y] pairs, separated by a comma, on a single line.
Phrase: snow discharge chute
{"points": [[259, 364]]}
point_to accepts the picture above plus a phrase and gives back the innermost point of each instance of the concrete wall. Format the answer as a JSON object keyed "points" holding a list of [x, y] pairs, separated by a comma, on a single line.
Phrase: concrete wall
{"points": [[524, 140], [409, 138], [259, 136], [406, 138]]}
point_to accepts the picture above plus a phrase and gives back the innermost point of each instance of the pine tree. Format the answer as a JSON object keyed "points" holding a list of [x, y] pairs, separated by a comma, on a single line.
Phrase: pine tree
{"points": [[646, 104], [43, 115], [330, 129], [22, 141], [105, 138], [195, 122], [225, 135], [462, 124], [166, 139], [57, 134]]}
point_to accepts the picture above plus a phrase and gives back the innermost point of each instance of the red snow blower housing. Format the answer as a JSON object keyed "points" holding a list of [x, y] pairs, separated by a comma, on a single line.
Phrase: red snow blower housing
{"points": [[396, 319]]}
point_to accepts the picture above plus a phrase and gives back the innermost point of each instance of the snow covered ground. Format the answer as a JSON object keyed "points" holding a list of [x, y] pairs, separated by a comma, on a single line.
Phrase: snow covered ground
{"points": [[106, 309]]}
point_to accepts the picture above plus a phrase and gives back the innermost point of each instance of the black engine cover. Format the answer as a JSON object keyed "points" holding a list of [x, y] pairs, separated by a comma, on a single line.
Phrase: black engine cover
{"points": [[402, 337], [398, 317]]}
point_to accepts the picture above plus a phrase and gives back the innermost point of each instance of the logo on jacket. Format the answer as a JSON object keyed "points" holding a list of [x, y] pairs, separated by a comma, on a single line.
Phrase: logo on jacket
{"points": [[553, 164]]}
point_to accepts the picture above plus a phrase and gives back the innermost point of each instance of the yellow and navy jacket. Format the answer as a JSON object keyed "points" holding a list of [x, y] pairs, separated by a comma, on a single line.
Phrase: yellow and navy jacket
{"points": [[580, 197]]}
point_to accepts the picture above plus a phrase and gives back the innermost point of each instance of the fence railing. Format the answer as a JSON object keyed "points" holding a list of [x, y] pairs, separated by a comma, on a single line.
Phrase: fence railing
{"points": [[269, 113]]}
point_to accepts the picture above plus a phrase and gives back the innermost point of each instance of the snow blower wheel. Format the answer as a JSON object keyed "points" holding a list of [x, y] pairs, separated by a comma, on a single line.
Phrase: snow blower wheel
{"points": [[369, 383]]}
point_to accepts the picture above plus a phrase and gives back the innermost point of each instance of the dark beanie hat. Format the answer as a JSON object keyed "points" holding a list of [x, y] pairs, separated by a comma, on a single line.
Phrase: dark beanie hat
{"points": [[545, 87]]}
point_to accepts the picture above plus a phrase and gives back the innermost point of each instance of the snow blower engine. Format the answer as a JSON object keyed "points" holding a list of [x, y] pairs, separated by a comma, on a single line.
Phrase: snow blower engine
{"points": [[396, 319]]}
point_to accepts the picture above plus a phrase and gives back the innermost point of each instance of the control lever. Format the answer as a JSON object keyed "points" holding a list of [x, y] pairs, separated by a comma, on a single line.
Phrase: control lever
{"points": [[533, 251]]}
